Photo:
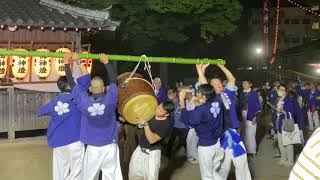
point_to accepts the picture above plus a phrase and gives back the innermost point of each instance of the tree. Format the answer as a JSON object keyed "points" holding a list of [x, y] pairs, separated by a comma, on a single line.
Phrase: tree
{"points": [[147, 23]]}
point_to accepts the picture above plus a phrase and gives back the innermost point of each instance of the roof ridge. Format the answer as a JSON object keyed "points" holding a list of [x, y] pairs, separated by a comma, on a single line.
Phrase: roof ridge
{"points": [[76, 11]]}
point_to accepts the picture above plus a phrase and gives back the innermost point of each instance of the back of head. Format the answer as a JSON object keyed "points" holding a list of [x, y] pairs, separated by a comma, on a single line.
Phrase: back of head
{"points": [[97, 85], [292, 94], [63, 85], [217, 84], [207, 91], [157, 83], [168, 106]]}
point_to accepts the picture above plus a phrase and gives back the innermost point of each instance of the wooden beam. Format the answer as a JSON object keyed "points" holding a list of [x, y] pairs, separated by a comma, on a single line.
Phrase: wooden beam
{"points": [[11, 128]]}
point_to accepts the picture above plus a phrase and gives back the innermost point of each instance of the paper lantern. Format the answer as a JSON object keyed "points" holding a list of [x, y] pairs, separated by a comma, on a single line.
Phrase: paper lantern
{"points": [[87, 63], [20, 65], [42, 65], [3, 65], [59, 64]]}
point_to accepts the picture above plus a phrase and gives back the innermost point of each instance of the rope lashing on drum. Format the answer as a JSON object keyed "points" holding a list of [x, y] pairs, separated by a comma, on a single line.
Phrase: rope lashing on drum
{"points": [[147, 66]]}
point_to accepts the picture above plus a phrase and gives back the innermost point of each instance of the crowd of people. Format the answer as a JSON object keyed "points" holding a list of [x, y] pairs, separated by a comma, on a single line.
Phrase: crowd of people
{"points": [[213, 120]]}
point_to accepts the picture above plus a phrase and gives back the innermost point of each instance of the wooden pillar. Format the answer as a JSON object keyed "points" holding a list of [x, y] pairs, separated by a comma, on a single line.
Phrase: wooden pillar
{"points": [[164, 73], [77, 48], [11, 129]]}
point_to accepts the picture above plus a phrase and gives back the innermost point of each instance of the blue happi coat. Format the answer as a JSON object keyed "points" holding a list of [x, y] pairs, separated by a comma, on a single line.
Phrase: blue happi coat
{"points": [[99, 126], [287, 106], [254, 105], [207, 120]]}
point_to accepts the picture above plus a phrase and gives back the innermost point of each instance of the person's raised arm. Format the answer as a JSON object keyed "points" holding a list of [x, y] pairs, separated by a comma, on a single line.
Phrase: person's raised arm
{"points": [[231, 79], [151, 136], [111, 74], [182, 96], [83, 69], [201, 69], [66, 59]]}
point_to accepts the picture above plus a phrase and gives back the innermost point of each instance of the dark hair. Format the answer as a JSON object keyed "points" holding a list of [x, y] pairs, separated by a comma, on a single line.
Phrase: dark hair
{"points": [[168, 106], [292, 94], [215, 77], [208, 91], [250, 82], [283, 85], [174, 89], [62, 84]]}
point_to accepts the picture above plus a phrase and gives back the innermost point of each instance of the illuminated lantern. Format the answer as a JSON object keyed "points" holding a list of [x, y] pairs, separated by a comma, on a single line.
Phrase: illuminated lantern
{"points": [[20, 65], [3, 65], [42, 65], [87, 63], [59, 64]]}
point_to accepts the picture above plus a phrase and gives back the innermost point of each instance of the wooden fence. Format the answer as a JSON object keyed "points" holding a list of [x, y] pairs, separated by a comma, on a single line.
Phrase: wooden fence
{"points": [[18, 110]]}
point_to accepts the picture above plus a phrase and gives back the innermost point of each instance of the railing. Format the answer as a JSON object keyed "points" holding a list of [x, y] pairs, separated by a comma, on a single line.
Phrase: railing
{"points": [[18, 110]]}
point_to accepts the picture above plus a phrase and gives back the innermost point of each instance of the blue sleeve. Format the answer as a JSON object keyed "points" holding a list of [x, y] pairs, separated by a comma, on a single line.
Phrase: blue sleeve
{"points": [[299, 90], [112, 94], [289, 108], [84, 81], [47, 109], [80, 88], [304, 92], [111, 98], [234, 89], [162, 96], [184, 117], [257, 103], [69, 76], [195, 116]]}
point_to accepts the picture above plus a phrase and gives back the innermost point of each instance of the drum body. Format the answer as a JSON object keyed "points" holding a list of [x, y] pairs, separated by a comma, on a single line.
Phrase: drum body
{"points": [[136, 98]]}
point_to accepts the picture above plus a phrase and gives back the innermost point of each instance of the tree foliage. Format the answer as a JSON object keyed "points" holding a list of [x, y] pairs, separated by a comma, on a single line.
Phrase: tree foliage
{"points": [[146, 23]]}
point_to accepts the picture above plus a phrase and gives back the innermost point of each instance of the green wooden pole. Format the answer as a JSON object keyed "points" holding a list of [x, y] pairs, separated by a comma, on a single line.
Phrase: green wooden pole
{"points": [[116, 57]]}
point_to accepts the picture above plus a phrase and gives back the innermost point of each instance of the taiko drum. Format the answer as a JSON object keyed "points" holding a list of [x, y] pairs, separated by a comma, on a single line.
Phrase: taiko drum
{"points": [[136, 98]]}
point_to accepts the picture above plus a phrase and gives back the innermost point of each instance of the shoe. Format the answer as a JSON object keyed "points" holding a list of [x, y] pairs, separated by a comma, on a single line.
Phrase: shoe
{"points": [[251, 155], [190, 159], [195, 161], [282, 163]]}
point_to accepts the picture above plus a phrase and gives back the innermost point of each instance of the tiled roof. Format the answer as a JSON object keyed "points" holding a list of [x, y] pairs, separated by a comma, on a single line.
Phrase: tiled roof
{"points": [[50, 13]]}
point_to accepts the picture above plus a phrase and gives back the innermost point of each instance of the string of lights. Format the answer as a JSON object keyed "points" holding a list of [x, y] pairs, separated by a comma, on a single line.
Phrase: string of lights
{"points": [[304, 8], [276, 33]]}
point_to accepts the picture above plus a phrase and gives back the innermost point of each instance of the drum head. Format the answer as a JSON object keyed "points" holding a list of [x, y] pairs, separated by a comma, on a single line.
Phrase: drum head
{"points": [[144, 106]]}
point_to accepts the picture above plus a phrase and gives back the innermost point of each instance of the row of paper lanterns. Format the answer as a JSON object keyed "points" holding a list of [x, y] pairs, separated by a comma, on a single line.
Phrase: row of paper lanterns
{"points": [[42, 65]]}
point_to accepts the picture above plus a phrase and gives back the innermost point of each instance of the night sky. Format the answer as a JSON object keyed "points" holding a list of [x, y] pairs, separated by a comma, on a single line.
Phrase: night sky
{"points": [[232, 48]]}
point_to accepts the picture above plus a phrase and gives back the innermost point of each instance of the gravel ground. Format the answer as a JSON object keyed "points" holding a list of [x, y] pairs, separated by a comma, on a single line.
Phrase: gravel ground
{"points": [[30, 159]]}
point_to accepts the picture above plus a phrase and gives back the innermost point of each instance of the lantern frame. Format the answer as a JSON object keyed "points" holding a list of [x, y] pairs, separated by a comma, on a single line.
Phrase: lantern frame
{"points": [[27, 59], [47, 65], [5, 66]]}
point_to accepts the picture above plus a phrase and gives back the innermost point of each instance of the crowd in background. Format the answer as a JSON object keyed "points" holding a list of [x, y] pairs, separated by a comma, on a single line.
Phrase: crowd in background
{"points": [[215, 121]]}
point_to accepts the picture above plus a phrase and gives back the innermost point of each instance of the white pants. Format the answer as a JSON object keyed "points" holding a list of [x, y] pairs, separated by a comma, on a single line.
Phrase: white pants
{"points": [[300, 101], [104, 158], [301, 137], [250, 134], [313, 118], [285, 151], [240, 164], [209, 161], [144, 166], [67, 161], [192, 142]]}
